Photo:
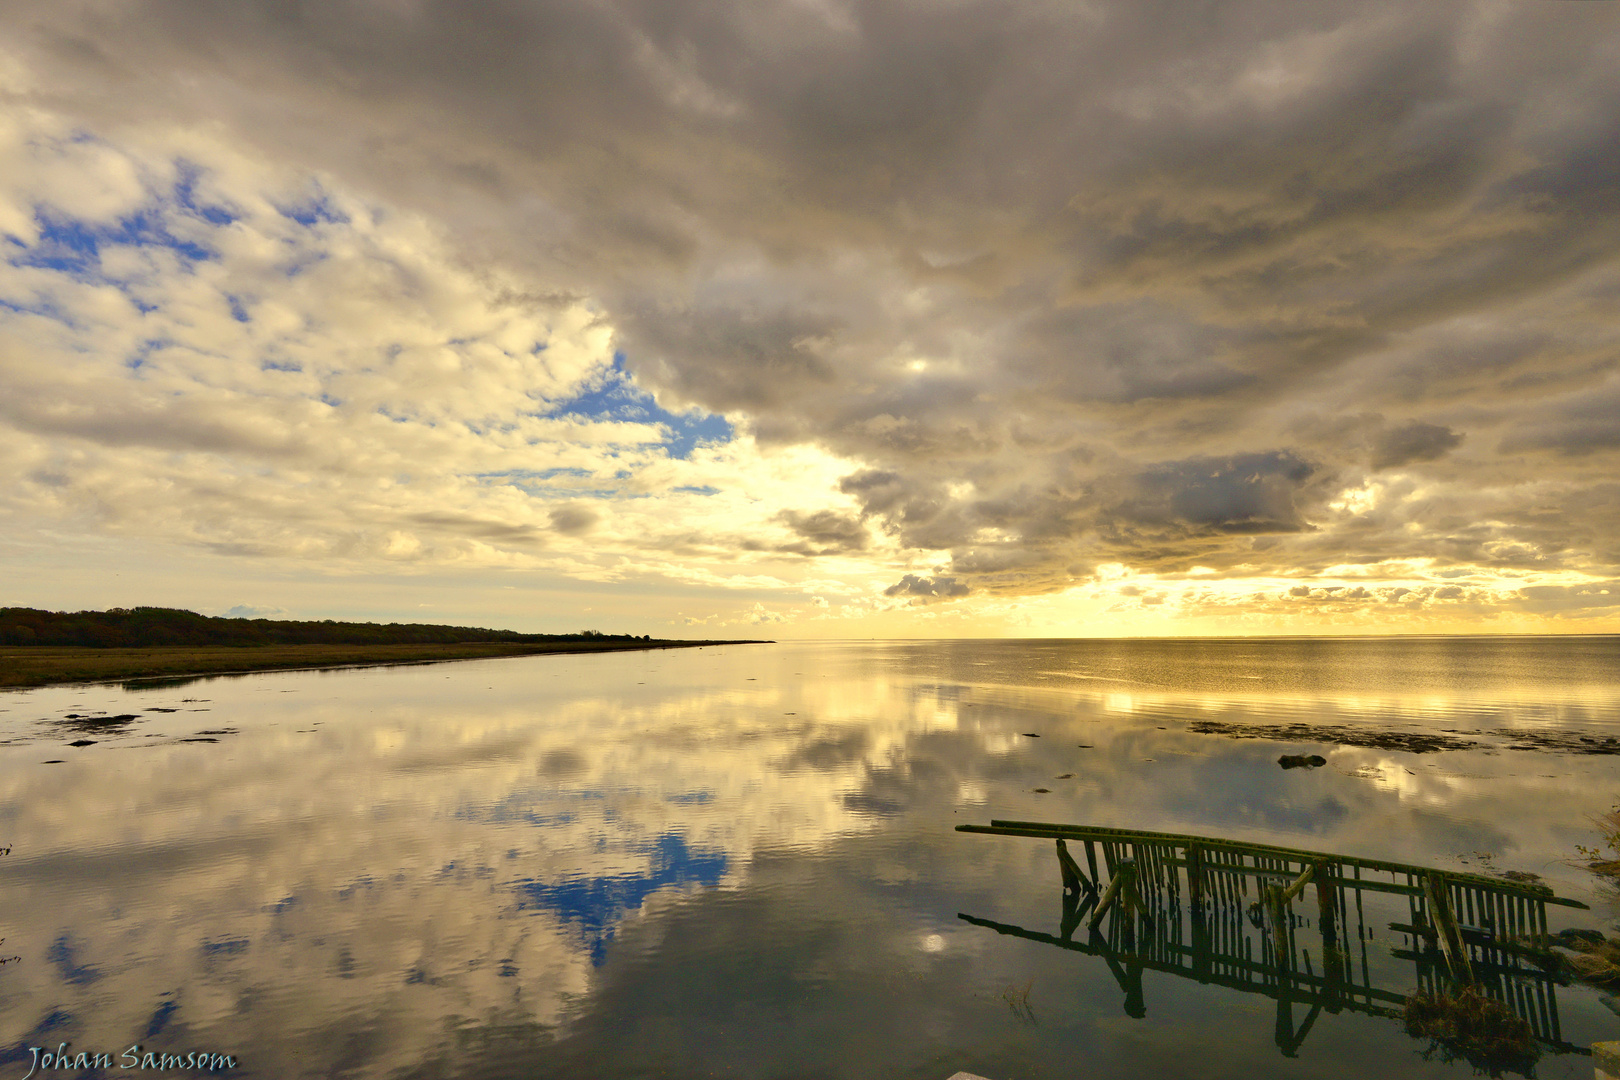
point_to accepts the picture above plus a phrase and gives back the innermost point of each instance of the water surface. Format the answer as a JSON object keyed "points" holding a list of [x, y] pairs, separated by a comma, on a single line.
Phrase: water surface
{"points": [[741, 861]]}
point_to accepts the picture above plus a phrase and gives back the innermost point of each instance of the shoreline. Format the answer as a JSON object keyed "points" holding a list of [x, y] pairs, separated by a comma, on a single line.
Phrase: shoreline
{"points": [[30, 667]]}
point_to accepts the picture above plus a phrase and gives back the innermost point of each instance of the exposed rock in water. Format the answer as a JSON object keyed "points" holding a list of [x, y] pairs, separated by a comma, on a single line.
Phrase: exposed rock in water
{"points": [[1565, 742], [1414, 742], [94, 725], [1302, 761]]}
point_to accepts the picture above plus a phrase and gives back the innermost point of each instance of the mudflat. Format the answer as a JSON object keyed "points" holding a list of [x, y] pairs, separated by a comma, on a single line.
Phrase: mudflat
{"points": [[43, 665]]}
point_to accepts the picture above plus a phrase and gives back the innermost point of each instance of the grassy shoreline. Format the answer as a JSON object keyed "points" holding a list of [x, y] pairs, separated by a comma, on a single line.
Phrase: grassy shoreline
{"points": [[29, 666]]}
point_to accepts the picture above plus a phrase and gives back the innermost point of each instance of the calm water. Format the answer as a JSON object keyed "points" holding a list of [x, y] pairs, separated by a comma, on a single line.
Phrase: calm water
{"points": [[740, 861]]}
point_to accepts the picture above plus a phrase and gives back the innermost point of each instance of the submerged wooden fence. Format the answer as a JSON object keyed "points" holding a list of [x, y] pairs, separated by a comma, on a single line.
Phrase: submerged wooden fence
{"points": [[1185, 905]]}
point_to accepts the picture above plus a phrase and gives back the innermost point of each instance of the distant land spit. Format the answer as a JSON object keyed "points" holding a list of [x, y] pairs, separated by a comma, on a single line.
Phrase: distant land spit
{"points": [[40, 648]]}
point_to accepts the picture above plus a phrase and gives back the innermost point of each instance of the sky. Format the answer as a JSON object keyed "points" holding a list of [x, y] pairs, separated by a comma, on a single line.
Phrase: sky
{"points": [[798, 318]]}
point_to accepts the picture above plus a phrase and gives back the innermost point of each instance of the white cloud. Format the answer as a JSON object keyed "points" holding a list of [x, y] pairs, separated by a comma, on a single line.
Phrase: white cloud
{"points": [[338, 385]]}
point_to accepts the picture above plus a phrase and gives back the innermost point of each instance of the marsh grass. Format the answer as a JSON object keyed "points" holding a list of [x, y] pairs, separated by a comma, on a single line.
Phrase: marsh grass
{"points": [[1597, 959], [1017, 999], [1604, 859], [1597, 963], [1469, 1026]]}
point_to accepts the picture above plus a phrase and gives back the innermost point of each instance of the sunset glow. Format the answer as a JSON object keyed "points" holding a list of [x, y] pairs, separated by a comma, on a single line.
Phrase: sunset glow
{"points": [[804, 320]]}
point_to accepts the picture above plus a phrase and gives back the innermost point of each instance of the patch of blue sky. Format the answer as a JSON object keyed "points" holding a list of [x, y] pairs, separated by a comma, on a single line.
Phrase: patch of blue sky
{"points": [[697, 429], [56, 1018], [73, 246], [696, 489], [598, 904], [318, 209], [303, 262], [185, 196], [143, 352], [160, 1018], [64, 954], [502, 427], [579, 493], [617, 397], [45, 309]]}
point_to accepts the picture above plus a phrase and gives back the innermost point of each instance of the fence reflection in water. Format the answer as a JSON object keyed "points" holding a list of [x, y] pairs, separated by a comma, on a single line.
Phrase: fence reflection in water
{"points": [[1223, 912]]}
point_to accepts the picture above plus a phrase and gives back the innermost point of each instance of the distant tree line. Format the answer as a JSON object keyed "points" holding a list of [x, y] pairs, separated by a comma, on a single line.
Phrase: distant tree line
{"points": [[127, 628]]}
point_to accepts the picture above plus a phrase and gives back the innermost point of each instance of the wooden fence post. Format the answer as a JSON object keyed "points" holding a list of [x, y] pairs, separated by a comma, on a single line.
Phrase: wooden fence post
{"points": [[1072, 878]]}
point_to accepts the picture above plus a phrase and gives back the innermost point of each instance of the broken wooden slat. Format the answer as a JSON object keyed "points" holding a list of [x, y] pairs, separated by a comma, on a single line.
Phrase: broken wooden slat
{"points": [[1445, 923], [1124, 871], [1298, 886]]}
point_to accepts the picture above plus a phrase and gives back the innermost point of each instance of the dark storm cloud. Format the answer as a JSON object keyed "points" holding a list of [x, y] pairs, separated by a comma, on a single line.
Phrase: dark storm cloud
{"points": [[927, 588], [752, 361], [1411, 443], [878, 491], [1370, 439], [825, 532], [573, 519], [1147, 282], [1246, 493]]}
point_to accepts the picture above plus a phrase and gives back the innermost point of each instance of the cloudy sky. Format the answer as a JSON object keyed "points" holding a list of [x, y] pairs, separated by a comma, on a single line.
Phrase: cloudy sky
{"points": [[817, 318]]}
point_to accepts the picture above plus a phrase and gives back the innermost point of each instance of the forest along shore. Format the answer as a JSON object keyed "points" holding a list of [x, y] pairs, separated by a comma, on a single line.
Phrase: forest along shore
{"points": [[23, 667], [44, 648]]}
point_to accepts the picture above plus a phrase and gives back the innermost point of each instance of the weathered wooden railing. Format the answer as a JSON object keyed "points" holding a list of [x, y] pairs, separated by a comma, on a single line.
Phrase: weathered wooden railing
{"points": [[1180, 904]]}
